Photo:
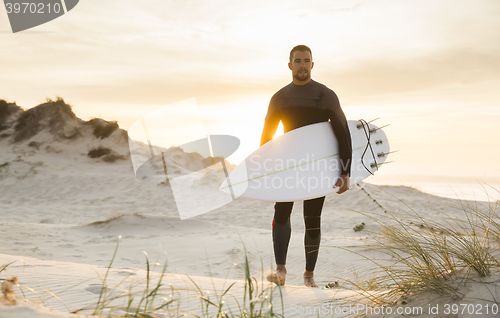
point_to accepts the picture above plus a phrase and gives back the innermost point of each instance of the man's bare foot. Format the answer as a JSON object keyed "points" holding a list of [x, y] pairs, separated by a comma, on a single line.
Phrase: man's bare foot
{"points": [[309, 279], [279, 276]]}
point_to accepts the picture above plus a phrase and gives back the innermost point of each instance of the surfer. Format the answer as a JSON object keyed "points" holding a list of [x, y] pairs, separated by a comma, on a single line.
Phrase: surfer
{"points": [[300, 103]]}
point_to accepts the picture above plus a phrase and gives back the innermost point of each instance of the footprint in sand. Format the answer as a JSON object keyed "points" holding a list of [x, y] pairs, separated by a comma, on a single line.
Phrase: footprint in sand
{"points": [[95, 288], [233, 251], [126, 273], [22, 243], [133, 261], [67, 245]]}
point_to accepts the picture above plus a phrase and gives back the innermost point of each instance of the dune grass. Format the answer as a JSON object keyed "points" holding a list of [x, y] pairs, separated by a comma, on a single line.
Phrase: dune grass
{"points": [[7, 295], [422, 255], [155, 297]]}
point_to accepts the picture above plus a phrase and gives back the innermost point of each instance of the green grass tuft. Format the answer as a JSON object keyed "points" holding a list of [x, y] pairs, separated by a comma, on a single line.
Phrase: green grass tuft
{"points": [[421, 255]]}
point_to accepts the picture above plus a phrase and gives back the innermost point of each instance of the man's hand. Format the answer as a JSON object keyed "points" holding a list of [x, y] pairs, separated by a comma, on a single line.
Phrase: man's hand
{"points": [[342, 183]]}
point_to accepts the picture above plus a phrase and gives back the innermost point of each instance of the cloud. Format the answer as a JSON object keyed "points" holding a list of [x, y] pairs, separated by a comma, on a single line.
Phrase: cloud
{"points": [[458, 67], [129, 50]]}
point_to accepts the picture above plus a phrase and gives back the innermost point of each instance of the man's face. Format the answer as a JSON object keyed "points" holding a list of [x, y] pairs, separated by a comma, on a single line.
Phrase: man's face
{"points": [[301, 66]]}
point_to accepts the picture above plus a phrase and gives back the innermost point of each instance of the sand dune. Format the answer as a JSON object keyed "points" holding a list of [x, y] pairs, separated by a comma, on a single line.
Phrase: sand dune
{"points": [[64, 209]]}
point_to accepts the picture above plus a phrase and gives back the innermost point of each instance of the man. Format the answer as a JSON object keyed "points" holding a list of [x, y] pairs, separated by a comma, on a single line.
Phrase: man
{"points": [[300, 103]]}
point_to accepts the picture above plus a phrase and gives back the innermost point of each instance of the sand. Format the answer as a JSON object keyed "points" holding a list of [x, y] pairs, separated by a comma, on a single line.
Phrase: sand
{"points": [[63, 214]]}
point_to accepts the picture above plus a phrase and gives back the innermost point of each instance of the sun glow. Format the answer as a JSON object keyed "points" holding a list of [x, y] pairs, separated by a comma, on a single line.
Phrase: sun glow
{"points": [[279, 131]]}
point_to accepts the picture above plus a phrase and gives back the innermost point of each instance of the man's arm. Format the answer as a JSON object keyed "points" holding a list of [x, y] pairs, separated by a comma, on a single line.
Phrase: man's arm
{"points": [[270, 125], [341, 130]]}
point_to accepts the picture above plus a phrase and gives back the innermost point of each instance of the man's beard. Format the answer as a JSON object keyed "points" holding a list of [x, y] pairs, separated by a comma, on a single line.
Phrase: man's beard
{"points": [[302, 76]]}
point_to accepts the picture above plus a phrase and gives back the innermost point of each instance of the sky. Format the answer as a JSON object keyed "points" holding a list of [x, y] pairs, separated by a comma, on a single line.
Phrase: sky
{"points": [[430, 69]]}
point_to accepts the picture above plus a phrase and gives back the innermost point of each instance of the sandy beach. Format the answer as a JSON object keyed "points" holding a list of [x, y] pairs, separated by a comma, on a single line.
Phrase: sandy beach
{"points": [[64, 214]]}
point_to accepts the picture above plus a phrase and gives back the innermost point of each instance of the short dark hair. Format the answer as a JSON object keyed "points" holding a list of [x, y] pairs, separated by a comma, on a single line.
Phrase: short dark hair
{"points": [[301, 48]]}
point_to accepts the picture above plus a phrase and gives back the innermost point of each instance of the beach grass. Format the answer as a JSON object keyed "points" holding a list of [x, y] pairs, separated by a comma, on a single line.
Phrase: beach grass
{"points": [[155, 297], [7, 295], [419, 255]]}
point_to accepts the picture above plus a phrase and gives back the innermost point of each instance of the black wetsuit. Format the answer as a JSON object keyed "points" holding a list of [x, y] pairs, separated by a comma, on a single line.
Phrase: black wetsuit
{"points": [[296, 106]]}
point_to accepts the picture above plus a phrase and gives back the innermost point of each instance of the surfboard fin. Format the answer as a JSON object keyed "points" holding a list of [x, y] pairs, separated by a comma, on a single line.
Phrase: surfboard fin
{"points": [[373, 165], [383, 154], [363, 122], [374, 130]]}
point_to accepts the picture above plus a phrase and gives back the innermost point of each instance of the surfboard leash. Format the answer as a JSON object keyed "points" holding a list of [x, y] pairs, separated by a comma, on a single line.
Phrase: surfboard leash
{"points": [[364, 125]]}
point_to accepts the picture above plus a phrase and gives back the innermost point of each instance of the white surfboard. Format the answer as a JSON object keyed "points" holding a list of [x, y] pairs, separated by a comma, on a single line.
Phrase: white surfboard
{"points": [[304, 163]]}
